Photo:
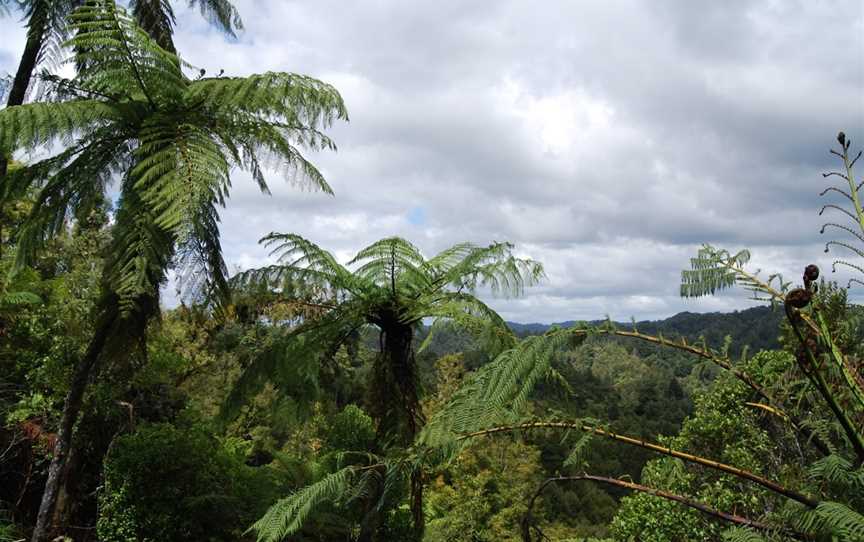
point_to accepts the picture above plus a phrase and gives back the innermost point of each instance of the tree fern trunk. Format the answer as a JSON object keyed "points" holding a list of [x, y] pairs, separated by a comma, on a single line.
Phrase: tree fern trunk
{"points": [[402, 368], [35, 39], [72, 406]]}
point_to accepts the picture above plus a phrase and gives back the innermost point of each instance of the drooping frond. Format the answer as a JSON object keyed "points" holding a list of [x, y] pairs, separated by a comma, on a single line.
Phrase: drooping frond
{"points": [[221, 13], [498, 391], [303, 267], [468, 313], [288, 515], [839, 472], [140, 251], [832, 519], [48, 27], [493, 266], [72, 184], [157, 17], [291, 359]]}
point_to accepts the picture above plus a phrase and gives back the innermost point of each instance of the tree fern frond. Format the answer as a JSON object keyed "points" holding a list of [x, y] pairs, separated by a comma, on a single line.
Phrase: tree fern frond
{"points": [[41, 124], [119, 55], [492, 266], [577, 456], [295, 100], [18, 298], [839, 471], [288, 515], [832, 519], [713, 270], [741, 534], [290, 360], [141, 251], [221, 14], [74, 184]]}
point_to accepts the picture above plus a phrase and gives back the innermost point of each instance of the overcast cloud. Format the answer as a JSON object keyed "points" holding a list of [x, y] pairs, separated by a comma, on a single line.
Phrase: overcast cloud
{"points": [[606, 139]]}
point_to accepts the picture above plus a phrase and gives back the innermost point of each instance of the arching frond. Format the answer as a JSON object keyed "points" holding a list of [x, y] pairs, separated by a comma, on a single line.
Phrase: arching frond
{"points": [[492, 266], [298, 100], [288, 515], [832, 519], [41, 124], [468, 313], [713, 270], [301, 260], [498, 392]]}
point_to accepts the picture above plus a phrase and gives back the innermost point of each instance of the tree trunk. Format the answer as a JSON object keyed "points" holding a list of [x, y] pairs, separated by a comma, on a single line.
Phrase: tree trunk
{"points": [[157, 19], [402, 379], [35, 39], [72, 406]]}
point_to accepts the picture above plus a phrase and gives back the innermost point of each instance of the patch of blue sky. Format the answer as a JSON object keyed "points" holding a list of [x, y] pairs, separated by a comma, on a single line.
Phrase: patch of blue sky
{"points": [[417, 216]]}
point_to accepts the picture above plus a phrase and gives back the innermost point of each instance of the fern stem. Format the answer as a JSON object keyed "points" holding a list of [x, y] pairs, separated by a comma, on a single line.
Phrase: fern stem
{"points": [[853, 188], [130, 56], [818, 381], [853, 381], [725, 363], [665, 450], [701, 507]]}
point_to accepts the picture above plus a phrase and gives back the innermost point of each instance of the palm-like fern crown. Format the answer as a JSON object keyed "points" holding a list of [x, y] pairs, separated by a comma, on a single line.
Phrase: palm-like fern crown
{"points": [[174, 142], [388, 284], [392, 280], [48, 22]]}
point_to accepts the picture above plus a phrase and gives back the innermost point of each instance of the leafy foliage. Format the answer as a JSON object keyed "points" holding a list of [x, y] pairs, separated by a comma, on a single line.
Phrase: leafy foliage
{"points": [[192, 489]]}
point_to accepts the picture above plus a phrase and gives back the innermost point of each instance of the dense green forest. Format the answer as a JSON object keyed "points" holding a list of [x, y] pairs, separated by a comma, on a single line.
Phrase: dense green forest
{"points": [[379, 398]]}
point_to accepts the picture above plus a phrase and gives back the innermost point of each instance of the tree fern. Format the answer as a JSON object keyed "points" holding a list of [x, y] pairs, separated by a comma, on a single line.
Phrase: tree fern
{"points": [[389, 286], [127, 118], [133, 114]]}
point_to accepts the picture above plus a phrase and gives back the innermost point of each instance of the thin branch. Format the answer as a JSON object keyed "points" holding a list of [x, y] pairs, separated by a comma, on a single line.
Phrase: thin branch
{"points": [[665, 450], [704, 353], [701, 507]]}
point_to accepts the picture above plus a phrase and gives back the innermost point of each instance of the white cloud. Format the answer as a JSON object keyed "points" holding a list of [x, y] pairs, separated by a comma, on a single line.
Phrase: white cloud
{"points": [[607, 140]]}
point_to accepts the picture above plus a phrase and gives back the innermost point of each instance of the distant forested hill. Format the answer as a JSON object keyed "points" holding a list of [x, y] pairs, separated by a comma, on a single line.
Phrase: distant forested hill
{"points": [[756, 327]]}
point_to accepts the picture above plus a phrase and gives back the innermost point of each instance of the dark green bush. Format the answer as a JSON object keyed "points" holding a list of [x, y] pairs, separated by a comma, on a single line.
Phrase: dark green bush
{"points": [[166, 484]]}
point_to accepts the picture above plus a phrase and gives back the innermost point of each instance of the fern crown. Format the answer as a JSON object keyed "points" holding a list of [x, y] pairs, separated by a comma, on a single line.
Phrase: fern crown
{"points": [[172, 140]]}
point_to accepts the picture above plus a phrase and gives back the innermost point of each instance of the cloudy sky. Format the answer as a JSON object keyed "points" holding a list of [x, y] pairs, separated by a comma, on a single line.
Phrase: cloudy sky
{"points": [[606, 139]]}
